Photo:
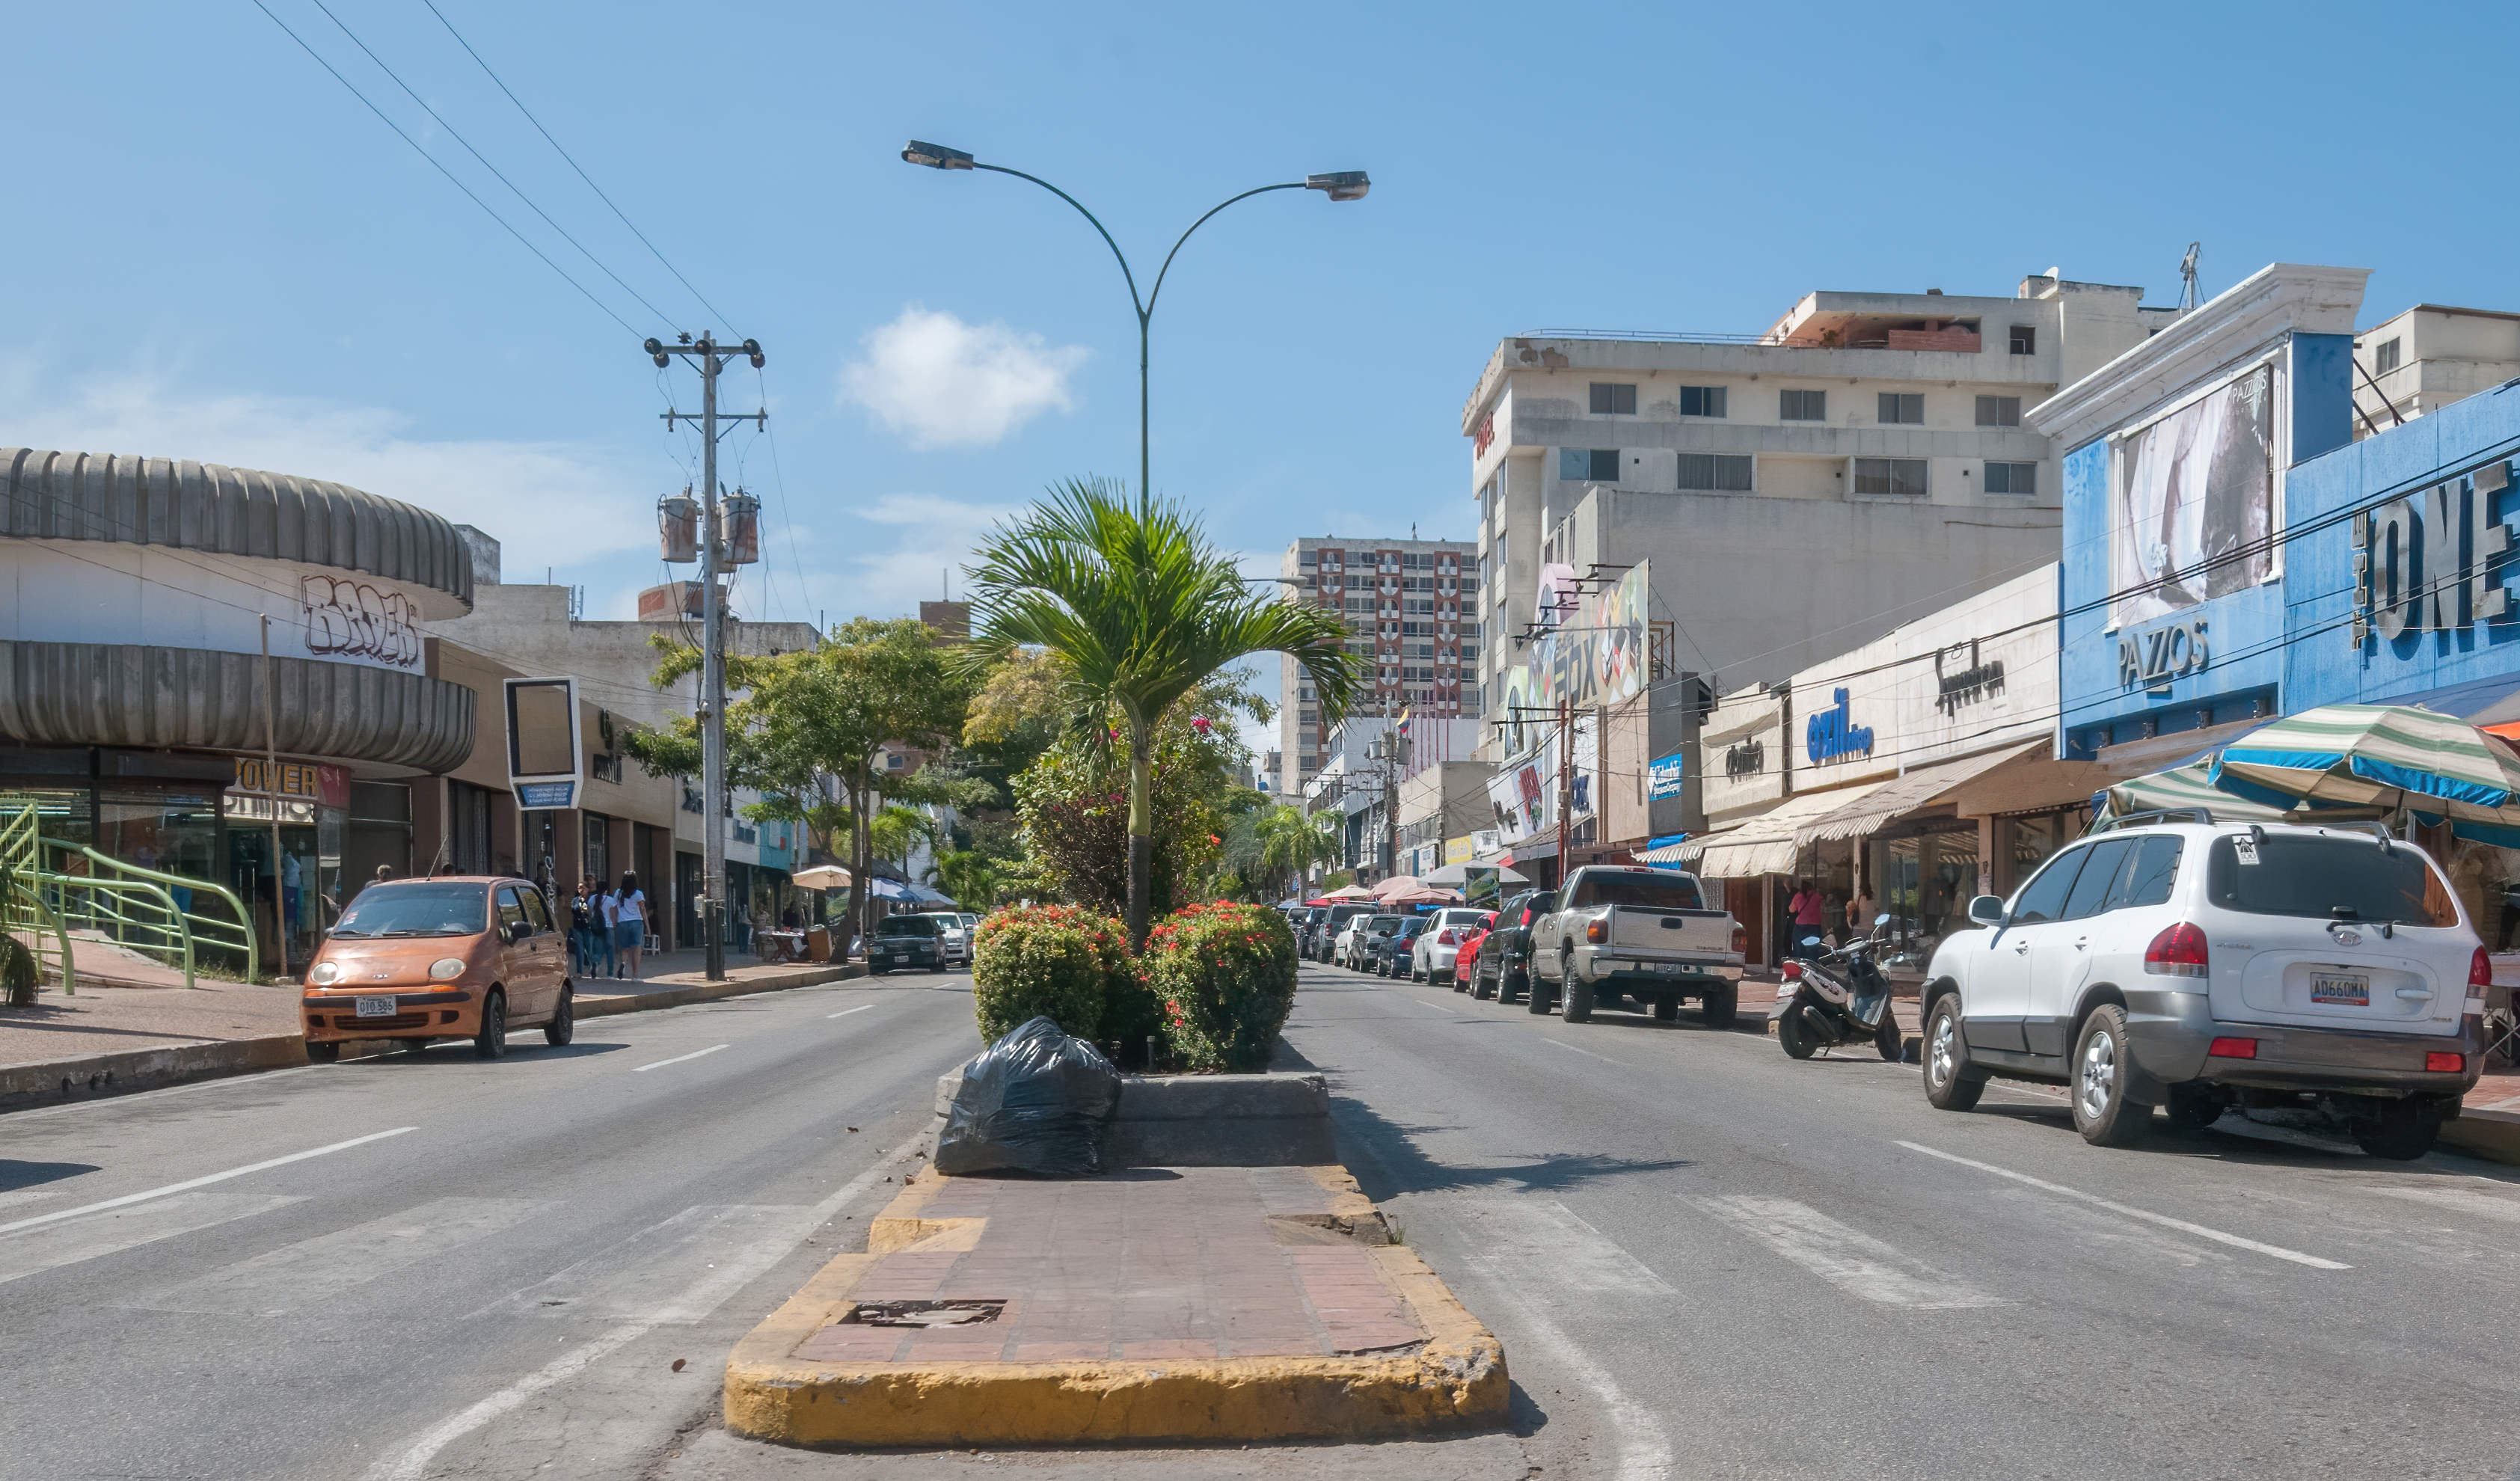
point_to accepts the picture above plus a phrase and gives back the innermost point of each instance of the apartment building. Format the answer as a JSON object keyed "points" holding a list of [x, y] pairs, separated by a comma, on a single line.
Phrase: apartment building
{"points": [[1408, 608], [2428, 357], [1877, 437]]}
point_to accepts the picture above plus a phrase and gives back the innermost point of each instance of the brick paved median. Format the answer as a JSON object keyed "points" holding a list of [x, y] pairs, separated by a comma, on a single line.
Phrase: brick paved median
{"points": [[1158, 1303]]}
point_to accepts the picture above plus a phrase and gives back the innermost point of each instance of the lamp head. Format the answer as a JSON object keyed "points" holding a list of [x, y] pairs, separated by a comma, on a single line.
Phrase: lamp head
{"points": [[1341, 185], [936, 156]]}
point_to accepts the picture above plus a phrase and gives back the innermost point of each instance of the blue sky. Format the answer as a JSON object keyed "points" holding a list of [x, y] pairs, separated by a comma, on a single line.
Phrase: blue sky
{"points": [[217, 252]]}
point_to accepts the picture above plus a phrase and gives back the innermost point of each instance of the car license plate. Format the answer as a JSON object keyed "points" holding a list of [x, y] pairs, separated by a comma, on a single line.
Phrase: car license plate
{"points": [[2349, 989], [377, 1008], [1666, 967]]}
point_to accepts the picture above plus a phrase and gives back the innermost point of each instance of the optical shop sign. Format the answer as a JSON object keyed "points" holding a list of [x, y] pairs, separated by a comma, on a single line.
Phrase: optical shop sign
{"points": [[292, 788]]}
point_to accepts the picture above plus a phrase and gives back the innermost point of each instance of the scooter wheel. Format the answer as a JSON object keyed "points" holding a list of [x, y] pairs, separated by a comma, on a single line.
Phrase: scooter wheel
{"points": [[1793, 1036], [1889, 1039]]}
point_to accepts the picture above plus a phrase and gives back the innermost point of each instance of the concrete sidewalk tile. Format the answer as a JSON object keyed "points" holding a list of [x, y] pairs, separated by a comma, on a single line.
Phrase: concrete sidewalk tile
{"points": [[1168, 1348]]}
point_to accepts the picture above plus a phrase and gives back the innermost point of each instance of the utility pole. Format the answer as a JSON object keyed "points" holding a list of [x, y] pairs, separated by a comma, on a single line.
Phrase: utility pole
{"points": [[711, 906], [1565, 786]]}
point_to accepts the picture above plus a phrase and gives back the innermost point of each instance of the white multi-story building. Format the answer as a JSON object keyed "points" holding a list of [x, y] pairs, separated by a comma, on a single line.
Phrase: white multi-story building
{"points": [[2428, 357], [1408, 609]]}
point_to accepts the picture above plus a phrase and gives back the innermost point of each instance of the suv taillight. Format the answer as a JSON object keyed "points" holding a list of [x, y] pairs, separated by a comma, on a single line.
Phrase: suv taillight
{"points": [[1740, 941], [2479, 970], [2178, 952]]}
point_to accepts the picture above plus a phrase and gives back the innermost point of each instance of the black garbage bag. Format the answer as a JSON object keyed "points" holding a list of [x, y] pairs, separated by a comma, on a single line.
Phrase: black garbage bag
{"points": [[1035, 1101]]}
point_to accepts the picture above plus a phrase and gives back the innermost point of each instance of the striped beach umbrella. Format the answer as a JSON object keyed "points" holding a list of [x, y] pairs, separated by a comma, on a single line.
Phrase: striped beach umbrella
{"points": [[2183, 786], [2376, 756]]}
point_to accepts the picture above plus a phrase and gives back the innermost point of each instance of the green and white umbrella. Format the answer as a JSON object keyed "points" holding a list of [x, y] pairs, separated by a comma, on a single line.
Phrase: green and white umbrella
{"points": [[2184, 786], [2378, 755]]}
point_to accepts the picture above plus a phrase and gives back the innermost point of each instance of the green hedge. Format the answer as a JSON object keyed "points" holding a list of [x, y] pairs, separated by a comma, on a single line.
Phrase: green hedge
{"points": [[1058, 961], [1225, 978]]}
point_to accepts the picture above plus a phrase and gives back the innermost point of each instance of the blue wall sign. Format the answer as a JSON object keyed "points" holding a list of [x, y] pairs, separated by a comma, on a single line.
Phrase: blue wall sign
{"points": [[1832, 734], [1666, 775]]}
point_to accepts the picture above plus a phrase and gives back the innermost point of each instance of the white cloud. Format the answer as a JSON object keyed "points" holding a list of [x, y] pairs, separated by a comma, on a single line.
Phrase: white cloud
{"points": [[536, 498], [943, 382]]}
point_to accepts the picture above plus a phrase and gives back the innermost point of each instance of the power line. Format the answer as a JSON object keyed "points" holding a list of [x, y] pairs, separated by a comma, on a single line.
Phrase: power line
{"points": [[441, 168], [660, 314], [573, 164]]}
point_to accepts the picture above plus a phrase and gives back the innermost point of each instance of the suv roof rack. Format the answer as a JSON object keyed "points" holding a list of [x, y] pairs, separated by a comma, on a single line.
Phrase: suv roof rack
{"points": [[2157, 815]]}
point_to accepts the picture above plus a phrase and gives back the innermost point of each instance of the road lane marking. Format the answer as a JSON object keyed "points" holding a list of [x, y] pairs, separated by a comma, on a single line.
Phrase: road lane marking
{"points": [[1586, 1052], [1430, 1007], [844, 1013], [677, 1059], [192, 1182], [2164, 1220], [107, 1232], [14, 1117], [1511, 1232], [1854, 1262], [331, 1265], [410, 1463]]}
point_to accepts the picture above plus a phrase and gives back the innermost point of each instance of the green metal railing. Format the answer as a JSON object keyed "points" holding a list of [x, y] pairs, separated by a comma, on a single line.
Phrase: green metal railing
{"points": [[132, 907]]}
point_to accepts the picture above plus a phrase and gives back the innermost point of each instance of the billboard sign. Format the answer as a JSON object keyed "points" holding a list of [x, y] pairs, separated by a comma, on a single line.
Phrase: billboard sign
{"points": [[1667, 775], [546, 761]]}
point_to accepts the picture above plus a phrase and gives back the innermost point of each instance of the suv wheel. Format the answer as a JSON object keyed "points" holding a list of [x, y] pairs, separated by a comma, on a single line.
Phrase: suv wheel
{"points": [[1574, 994], [1719, 1007], [1948, 1085], [2101, 1064], [2402, 1131]]}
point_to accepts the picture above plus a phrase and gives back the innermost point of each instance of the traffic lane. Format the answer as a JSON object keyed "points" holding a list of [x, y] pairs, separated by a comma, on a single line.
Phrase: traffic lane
{"points": [[1717, 1162], [295, 1376]]}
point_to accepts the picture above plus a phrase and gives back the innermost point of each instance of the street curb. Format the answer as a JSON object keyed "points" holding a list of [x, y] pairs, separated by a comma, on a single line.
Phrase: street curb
{"points": [[1457, 1381], [38, 1082], [2492, 1135]]}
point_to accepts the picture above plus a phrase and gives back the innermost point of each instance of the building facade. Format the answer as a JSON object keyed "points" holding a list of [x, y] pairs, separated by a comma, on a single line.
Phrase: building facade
{"points": [[1406, 608], [1882, 432]]}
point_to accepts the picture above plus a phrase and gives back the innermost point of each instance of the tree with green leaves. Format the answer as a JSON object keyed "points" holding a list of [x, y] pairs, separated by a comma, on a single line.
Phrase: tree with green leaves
{"points": [[1285, 844], [811, 729], [1141, 610]]}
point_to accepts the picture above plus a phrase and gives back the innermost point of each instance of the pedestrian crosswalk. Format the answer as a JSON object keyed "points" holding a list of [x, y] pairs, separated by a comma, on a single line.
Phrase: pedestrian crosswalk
{"points": [[309, 1272], [110, 1231]]}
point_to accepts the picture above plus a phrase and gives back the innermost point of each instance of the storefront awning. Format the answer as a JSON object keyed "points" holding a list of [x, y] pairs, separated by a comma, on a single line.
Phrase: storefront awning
{"points": [[1921, 788], [1766, 844], [2153, 753]]}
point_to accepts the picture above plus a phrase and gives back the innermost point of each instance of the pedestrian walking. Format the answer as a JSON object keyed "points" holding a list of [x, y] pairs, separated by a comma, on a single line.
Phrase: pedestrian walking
{"points": [[1808, 909], [581, 929], [1859, 913], [602, 907], [630, 924]]}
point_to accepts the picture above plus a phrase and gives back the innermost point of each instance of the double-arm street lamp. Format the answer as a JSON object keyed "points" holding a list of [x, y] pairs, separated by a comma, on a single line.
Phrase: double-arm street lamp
{"points": [[1339, 185]]}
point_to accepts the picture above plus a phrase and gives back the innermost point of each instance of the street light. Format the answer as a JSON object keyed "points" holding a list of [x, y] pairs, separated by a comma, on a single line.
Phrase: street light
{"points": [[1338, 185]]}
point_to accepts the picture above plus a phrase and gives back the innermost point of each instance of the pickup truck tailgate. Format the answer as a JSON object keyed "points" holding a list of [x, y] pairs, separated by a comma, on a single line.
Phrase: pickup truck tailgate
{"points": [[1694, 932]]}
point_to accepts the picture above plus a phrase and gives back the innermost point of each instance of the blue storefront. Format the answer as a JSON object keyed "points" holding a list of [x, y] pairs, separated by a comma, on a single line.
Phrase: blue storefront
{"points": [[2232, 554]]}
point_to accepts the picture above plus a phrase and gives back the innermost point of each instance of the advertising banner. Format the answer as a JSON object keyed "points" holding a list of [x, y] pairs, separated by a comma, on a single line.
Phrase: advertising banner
{"points": [[2194, 503], [1667, 775], [545, 758], [1597, 655]]}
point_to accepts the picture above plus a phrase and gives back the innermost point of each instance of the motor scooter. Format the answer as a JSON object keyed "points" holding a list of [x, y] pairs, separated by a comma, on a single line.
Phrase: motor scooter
{"points": [[1840, 997]]}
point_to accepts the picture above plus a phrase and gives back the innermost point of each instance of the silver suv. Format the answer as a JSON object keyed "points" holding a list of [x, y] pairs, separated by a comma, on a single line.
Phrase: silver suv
{"points": [[2172, 961]]}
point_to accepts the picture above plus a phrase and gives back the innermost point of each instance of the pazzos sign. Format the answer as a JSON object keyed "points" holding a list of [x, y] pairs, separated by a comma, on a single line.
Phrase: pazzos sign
{"points": [[2156, 656], [1832, 734]]}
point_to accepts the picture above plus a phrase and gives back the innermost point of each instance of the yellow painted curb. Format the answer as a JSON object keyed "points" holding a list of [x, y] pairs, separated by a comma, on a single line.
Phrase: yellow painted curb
{"points": [[1455, 1381]]}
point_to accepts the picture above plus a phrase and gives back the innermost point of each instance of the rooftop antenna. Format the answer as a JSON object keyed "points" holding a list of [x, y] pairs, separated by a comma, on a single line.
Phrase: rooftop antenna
{"points": [[2188, 295]]}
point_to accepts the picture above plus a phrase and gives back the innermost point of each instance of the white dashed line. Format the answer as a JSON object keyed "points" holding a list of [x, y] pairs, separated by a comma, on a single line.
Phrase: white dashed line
{"points": [[844, 1013], [678, 1059], [2164, 1220], [1586, 1052], [192, 1182]]}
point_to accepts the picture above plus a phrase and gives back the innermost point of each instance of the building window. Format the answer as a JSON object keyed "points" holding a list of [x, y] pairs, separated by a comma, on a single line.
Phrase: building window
{"points": [[1999, 411], [2012, 477], [1890, 475], [1304, 558], [1598, 465], [1802, 406], [2025, 339], [1902, 406], [1701, 400], [1611, 398], [1719, 472], [2385, 358]]}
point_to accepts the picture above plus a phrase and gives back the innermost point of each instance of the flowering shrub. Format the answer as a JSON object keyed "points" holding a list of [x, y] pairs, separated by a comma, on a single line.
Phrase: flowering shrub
{"points": [[1056, 961], [1223, 975]]}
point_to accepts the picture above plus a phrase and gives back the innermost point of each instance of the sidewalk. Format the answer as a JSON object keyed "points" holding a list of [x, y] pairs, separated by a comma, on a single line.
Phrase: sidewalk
{"points": [[116, 1038], [1198, 1303]]}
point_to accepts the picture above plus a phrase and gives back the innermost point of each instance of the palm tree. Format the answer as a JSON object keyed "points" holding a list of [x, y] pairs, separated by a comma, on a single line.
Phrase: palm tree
{"points": [[1129, 592], [1291, 843]]}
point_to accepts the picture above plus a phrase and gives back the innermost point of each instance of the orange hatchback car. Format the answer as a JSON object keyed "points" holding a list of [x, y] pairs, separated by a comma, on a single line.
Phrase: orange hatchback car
{"points": [[460, 958]]}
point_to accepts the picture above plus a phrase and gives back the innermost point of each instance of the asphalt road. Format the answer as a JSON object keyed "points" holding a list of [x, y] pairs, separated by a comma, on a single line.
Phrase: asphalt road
{"points": [[1703, 1259]]}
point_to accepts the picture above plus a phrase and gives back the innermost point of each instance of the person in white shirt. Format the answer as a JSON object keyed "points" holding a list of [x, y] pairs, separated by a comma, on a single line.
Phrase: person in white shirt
{"points": [[608, 908], [629, 906]]}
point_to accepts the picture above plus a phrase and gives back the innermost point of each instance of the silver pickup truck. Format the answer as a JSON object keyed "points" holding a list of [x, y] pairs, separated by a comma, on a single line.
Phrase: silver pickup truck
{"points": [[1626, 932]]}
